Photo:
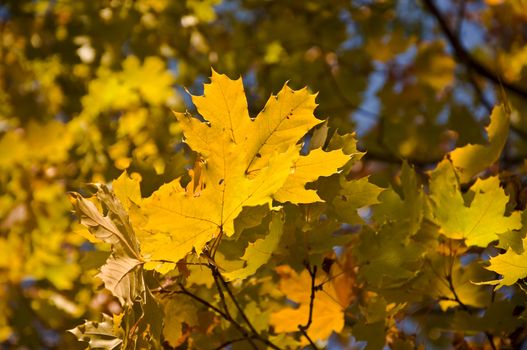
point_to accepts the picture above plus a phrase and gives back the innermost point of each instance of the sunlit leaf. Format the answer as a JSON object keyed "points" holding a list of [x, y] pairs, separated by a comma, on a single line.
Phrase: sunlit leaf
{"points": [[479, 216]]}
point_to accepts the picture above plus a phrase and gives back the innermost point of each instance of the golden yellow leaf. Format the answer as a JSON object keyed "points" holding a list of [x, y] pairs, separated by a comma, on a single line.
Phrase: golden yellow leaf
{"points": [[307, 169], [127, 189], [244, 163]]}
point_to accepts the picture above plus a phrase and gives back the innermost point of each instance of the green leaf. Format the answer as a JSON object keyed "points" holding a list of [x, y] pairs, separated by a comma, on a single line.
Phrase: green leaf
{"points": [[407, 209], [388, 257], [258, 253], [372, 333], [498, 318], [355, 194]]}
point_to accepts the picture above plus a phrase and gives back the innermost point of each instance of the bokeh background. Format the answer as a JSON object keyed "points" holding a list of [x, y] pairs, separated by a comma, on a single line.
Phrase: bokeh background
{"points": [[87, 89]]}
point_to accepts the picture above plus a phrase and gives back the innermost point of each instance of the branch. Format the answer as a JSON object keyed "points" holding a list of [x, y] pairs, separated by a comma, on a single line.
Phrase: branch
{"points": [[205, 303], [450, 281], [466, 58], [230, 342], [215, 275], [460, 17], [471, 64], [303, 329], [219, 278], [392, 159], [489, 336]]}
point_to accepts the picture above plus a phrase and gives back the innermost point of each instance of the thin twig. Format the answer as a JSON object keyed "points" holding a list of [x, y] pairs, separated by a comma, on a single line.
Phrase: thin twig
{"points": [[233, 341], [219, 278], [314, 288], [205, 303], [304, 333], [313, 274], [222, 296], [215, 274], [450, 281]]}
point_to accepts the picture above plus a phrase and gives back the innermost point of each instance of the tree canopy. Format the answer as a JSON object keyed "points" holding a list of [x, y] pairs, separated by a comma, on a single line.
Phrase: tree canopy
{"points": [[233, 174]]}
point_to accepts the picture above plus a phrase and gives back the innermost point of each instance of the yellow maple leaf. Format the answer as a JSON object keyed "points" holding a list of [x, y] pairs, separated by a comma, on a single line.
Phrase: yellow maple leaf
{"points": [[244, 162], [307, 169], [328, 314]]}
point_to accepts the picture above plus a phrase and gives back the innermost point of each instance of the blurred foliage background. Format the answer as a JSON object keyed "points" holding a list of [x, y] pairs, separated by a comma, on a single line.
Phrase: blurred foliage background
{"points": [[87, 89]]}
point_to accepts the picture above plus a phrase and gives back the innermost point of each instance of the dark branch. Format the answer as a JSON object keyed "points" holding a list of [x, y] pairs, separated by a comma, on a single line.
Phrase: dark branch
{"points": [[304, 328], [218, 277], [233, 341], [471, 64], [450, 280], [466, 58], [205, 303]]}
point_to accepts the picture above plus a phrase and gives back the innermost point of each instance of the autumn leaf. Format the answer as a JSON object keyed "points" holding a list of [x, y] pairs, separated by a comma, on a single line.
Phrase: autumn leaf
{"points": [[328, 314], [478, 217], [353, 195], [122, 272], [99, 335], [247, 162], [473, 159], [510, 265], [258, 253], [307, 169]]}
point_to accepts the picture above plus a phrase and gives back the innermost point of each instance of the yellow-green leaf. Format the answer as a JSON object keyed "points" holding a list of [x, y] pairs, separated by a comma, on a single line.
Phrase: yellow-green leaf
{"points": [[355, 194], [478, 217], [258, 253], [473, 159]]}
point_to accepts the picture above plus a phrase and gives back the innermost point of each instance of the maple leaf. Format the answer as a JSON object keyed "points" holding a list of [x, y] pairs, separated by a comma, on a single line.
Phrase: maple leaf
{"points": [[510, 265], [307, 169], [259, 252], [387, 257], [328, 314], [473, 159], [409, 209], [245, 162], [353, 195], [478, 217]]}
